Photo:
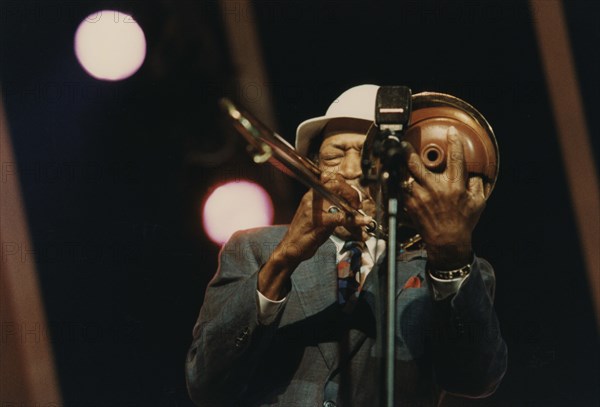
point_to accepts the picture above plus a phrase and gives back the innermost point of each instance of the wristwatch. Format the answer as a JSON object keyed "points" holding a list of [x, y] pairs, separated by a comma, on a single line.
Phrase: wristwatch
{"points": [[451, 274]]}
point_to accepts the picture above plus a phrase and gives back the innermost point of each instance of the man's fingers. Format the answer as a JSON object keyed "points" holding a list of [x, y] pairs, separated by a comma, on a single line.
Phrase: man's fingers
{"points": [[415, 165], [476, 187], [361, 220], [334, 219], [341, 188], [456, 170], [352, 194], [317, 207], [456, 152]]}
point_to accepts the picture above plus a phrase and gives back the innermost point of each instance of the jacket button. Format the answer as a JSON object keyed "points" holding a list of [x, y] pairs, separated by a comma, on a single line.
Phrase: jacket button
{"points": [[328, 403], [242, 338]]}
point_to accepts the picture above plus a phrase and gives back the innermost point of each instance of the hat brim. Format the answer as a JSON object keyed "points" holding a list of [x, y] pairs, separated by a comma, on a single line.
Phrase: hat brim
{"points": [[308, 130]]}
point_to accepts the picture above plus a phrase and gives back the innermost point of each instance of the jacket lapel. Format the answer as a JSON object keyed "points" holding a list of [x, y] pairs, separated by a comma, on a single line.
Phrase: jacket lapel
{"points": [[315, 282]]}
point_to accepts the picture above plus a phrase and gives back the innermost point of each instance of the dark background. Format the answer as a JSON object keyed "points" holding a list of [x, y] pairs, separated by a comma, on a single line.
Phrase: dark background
{"points": [[113, 174]]}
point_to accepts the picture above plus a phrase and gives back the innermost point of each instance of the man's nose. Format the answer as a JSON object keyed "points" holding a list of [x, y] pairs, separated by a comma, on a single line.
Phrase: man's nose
{"points": [[350, 167]]}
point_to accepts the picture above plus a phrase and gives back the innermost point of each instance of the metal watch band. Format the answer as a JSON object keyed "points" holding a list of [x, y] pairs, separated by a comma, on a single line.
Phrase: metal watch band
{"points": [[451, 274]]}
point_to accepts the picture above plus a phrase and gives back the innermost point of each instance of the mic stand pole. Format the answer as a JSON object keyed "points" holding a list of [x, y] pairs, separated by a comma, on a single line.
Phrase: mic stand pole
{"points": [[393, 107], [390, 182]]}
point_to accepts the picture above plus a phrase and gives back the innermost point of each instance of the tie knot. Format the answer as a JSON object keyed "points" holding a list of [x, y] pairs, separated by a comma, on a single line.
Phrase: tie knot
{"points": [[352, 252], [353, 245]]}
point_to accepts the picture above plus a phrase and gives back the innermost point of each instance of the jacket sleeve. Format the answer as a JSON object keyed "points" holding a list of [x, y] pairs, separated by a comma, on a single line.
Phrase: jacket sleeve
{"points": [[469, 353], [228, 340]]}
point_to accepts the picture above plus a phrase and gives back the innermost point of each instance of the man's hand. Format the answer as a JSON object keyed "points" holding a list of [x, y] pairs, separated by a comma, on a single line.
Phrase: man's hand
{"points": [[446, 207], [310, 228]]}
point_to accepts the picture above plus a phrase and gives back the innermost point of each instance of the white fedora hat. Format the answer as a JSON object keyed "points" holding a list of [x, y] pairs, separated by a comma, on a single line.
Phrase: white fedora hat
{"points": [[355, 103]]}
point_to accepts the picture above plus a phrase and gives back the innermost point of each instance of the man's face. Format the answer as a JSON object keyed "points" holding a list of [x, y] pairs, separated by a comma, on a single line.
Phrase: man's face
{"points": [[340, 153]]}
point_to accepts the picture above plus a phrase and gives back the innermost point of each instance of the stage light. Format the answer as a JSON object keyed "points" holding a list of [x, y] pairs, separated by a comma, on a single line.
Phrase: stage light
{"points": [[235, 206], [110, 45]]}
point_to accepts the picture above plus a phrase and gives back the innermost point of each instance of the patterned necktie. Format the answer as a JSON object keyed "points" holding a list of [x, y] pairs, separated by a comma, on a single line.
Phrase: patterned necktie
{"points": [[348, 268]]}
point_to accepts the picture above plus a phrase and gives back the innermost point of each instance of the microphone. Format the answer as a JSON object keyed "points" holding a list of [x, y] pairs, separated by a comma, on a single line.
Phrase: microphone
{"points": [[393, 107]]}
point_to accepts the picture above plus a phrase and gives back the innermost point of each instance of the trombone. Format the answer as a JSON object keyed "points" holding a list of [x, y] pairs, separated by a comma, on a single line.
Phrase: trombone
{"points": [[432, 114]]}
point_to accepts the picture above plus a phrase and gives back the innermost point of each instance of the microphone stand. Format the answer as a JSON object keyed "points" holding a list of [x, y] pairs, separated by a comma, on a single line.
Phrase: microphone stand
{"points": [[392, 116], [390, 180]]}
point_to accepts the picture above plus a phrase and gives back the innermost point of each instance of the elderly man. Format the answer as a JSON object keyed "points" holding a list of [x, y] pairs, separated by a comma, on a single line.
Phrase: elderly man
{"points": [[290, 317]]}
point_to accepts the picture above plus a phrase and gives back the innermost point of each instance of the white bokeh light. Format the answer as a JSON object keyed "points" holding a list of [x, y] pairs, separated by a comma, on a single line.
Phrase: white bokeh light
{"points": [[110, 45], [234, 206]]}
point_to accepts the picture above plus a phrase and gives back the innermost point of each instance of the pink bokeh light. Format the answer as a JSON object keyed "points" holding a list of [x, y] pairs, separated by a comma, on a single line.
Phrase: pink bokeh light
{"points": [[234, 206], [110, 45]]}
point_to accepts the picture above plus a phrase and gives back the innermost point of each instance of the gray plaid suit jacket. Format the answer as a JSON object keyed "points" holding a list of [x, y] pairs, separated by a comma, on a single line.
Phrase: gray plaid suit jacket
{"points": [[311, 354]]}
